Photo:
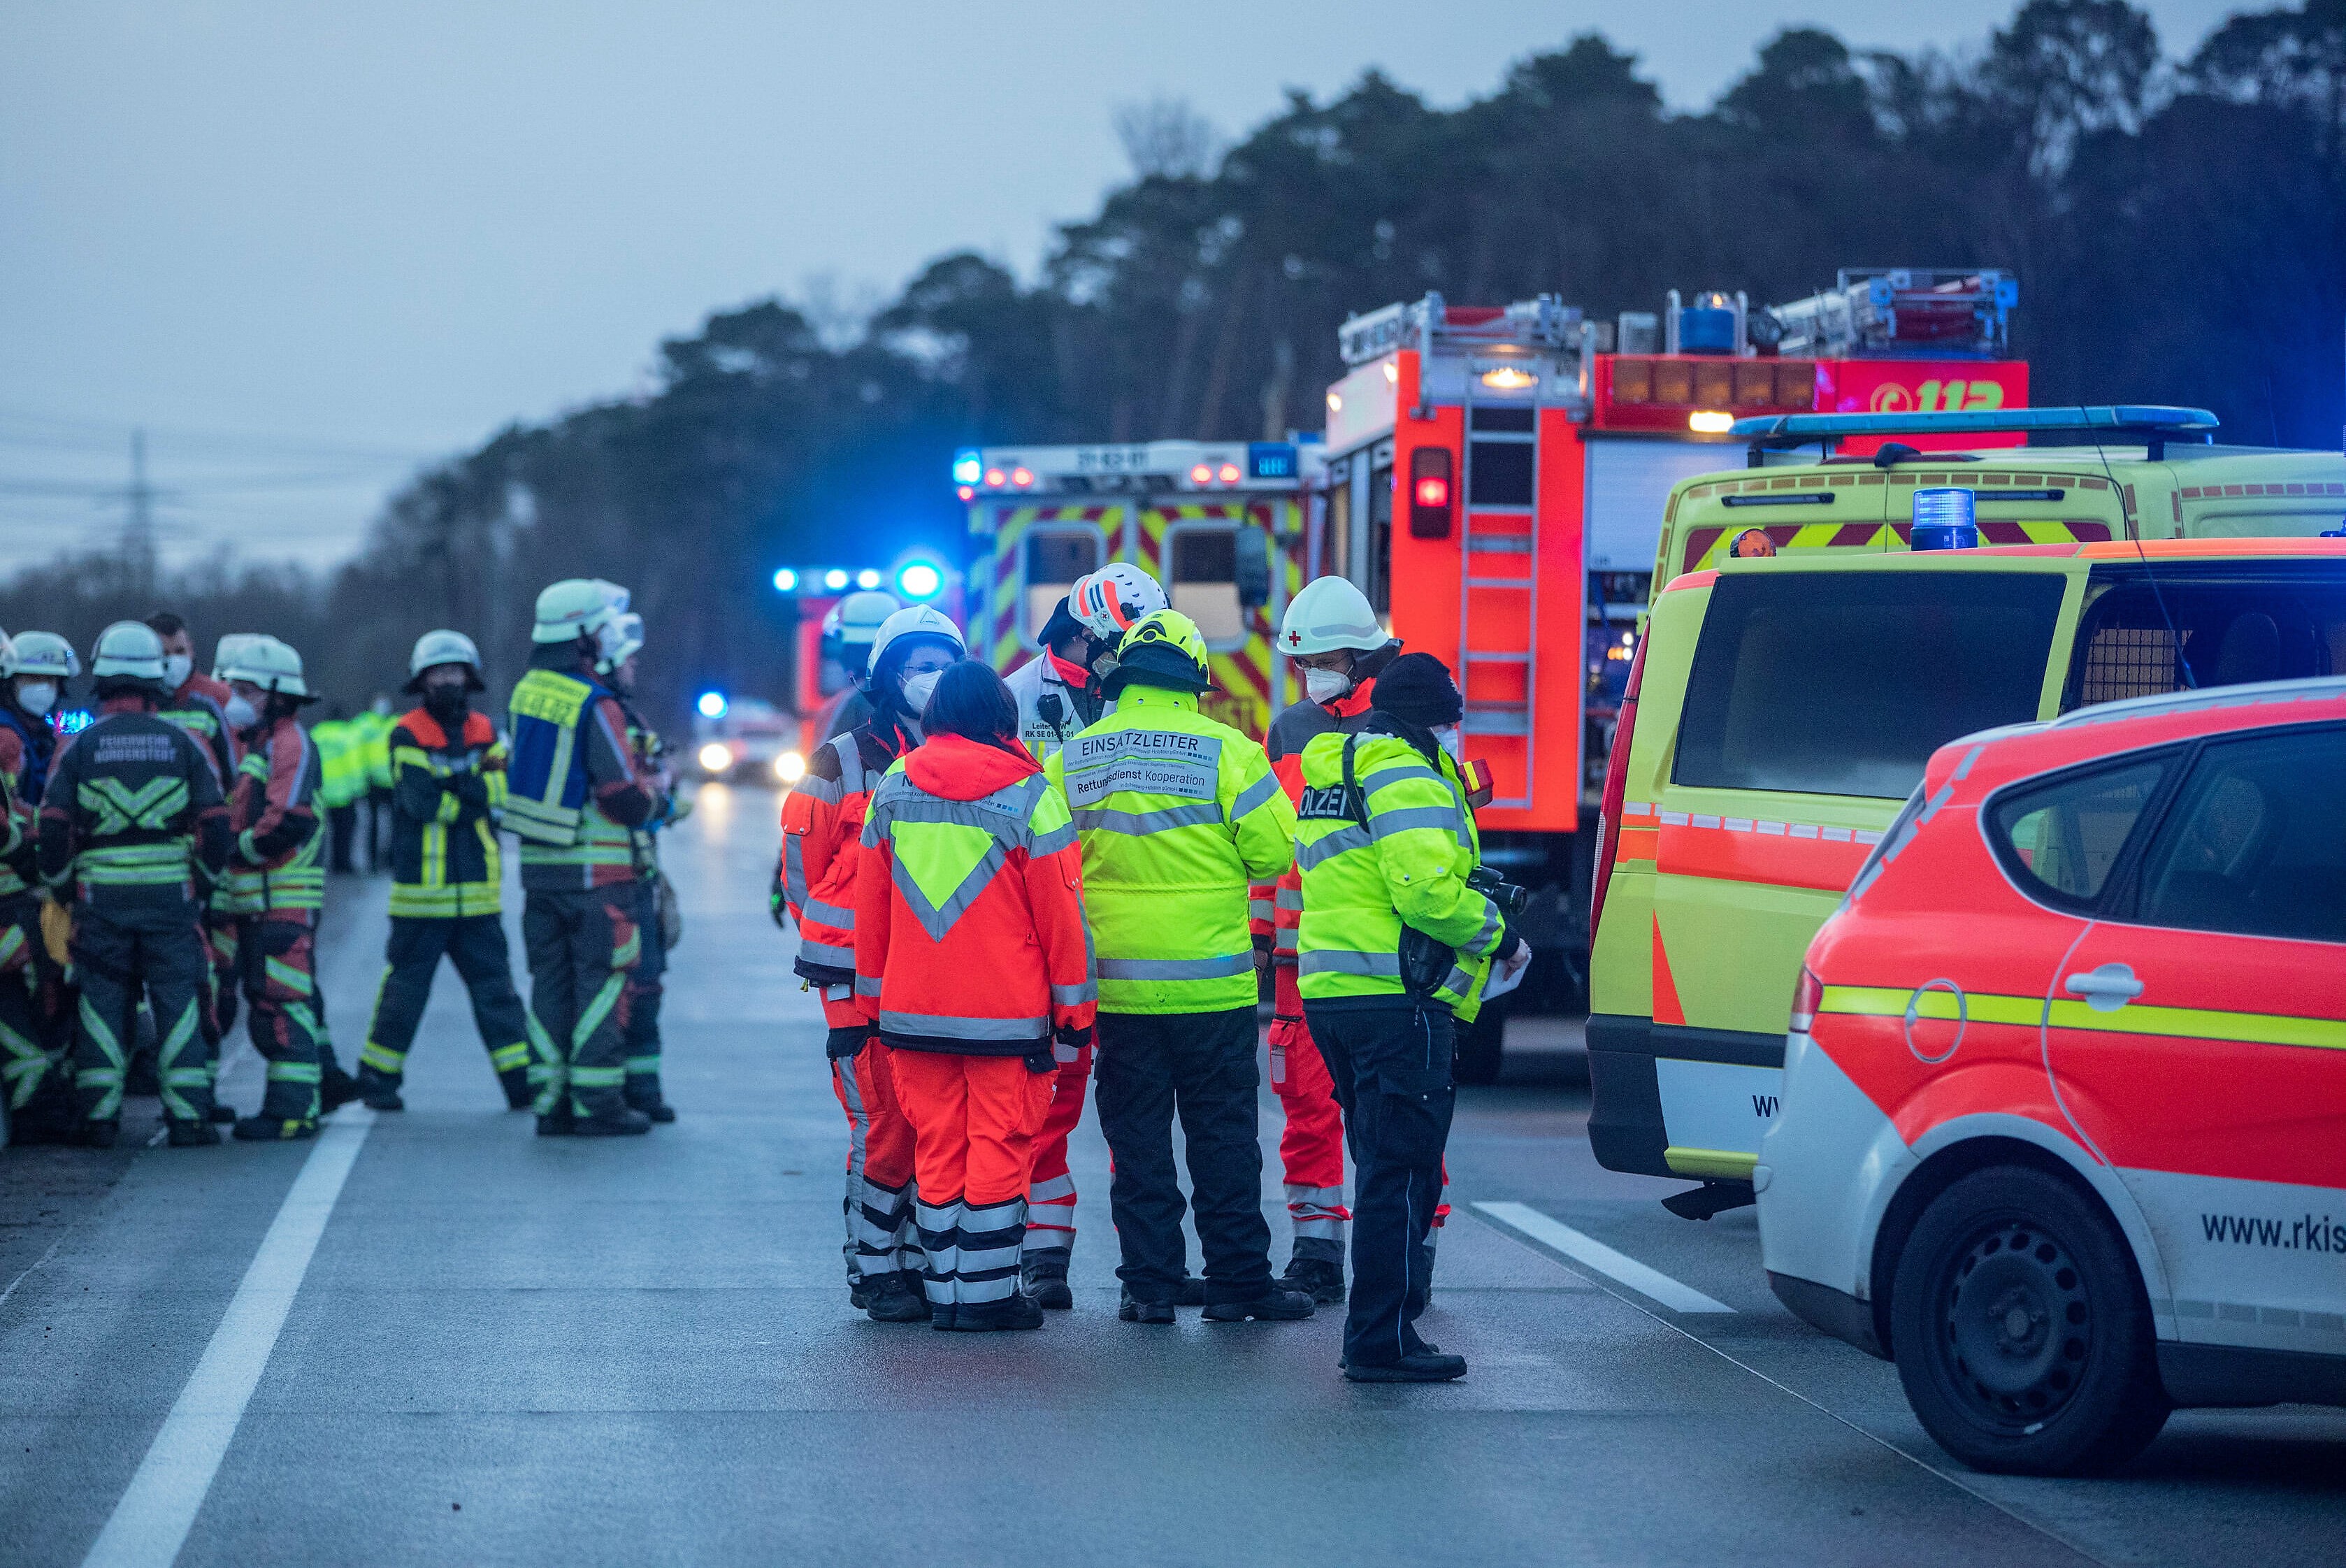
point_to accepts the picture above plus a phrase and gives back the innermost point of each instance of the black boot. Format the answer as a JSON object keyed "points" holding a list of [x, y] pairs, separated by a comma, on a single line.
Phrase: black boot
{"points": [[1015, 1311], [335, 1088], [1046, 1280], [1190, 1292], [1428, 1366], [1277, 1304], [223, 1113], [557, 1123], [192, 1134], [643, 1094], [1317, 1278], [896, 1298], [619, 1121], [267, 1129], [1131, 1309], [379, 1090]]}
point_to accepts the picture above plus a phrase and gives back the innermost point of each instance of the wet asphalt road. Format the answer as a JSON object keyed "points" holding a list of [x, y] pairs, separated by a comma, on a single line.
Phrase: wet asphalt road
{"points": [[431, 1338]]}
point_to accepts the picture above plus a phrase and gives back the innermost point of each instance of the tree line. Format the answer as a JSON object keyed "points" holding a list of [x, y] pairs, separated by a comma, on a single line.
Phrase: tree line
{"points": [[2178, 225]]}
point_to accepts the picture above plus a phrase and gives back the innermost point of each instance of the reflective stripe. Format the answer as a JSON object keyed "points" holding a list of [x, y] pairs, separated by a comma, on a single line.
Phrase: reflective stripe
{"points": [[830, 792], [794, 882], [1338, 961], [1218, 967], [1441, 819], [940, 1026], [1073, 995], [1318, 851], [2134, 1018], [1139, 823], [382, 1058], [1056, 1188], [830, 914], [1254, 795], [1291, 898], [1397, 773], [866, 986], [828, 957], [1258, 908]]}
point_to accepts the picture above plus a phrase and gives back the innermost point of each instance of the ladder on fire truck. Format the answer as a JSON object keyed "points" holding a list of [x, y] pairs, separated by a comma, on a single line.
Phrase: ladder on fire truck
{"points": [[1485, 645]]}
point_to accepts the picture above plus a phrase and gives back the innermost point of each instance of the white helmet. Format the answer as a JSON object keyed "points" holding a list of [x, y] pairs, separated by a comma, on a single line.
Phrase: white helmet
{"points": [[267, 663], [575, 607], [224, 651], [1112, 600], [1328, 614], [915, 620], [444, 648], [128, 648], [39, 653]]}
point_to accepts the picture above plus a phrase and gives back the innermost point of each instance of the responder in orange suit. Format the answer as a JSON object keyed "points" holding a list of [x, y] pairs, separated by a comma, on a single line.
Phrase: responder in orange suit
{"points": [[972, 958], [822, 826], [1333, 637]]}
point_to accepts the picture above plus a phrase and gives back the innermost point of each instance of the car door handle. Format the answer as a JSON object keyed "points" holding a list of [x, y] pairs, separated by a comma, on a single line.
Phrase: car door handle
{"points": [[2105, 989]]}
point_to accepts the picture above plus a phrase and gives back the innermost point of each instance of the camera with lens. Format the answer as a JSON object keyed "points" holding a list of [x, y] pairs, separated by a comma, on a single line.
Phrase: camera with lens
{"points": [[1510, 898]]}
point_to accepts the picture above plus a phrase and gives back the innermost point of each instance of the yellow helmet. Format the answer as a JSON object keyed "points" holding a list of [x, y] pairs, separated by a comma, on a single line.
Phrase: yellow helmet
{"points": [[1165, 648]]}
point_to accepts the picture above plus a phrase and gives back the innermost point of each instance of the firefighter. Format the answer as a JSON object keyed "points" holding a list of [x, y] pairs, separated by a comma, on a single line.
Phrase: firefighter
{"points": [[133, 829], [575, 794], [445, 876], [849, 628], [1393, 946], [198, 703], [1177, 813], [342, 783], [277, 887], [36, 1065], [971, 958], [823, 828], [644, 989], [1058, 694], [373, 736], [1333, 636]]}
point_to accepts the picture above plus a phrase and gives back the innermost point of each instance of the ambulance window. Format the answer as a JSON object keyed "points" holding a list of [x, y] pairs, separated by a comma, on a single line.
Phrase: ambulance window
{"points": [[2255, 843], [1054, 559], [2060, 840], [1843, 683], [1205, 580], [1379, 586], [1336, 546]]}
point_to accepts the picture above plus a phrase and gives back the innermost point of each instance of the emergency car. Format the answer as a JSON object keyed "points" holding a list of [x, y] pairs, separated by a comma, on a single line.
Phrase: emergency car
{"points": [[2064, 1115], [1778, 711]]}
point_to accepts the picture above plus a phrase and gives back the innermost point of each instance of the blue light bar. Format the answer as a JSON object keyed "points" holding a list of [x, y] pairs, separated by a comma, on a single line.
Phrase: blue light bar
{"points": [[1801, 429], [969, 466]]}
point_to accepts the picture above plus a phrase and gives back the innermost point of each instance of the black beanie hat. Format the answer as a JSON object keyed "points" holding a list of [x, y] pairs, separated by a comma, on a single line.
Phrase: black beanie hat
{"points": [[1416, 689]]}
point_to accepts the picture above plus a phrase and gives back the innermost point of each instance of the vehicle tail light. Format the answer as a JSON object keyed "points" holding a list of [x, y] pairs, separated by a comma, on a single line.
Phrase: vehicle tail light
{"points": [[1616, 784], [1429, 492], [1806, 997]]}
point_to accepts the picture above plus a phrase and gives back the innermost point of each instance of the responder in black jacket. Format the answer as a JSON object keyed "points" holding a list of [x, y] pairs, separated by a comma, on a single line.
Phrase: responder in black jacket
{"points": [[134, 832]]}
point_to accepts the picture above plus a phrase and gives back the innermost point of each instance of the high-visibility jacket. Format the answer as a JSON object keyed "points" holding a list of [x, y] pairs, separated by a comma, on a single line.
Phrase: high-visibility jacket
{"points": [[341, 763], [373, 733], [272, 811], [132, 816], [1276, 908], [969, 905], [575, 792], [200, 708], [1407, 866], [822, 833], [1052, 707], [444, 859], [1177, 813]]}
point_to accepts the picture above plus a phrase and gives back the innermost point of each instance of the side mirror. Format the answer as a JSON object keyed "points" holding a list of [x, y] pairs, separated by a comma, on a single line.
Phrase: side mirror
{"points": [[1251, 566]]}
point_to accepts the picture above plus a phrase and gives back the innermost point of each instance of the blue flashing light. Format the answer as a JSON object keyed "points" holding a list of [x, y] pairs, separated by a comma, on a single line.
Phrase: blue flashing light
{"points": [[969, 466], [836, 580], [920, 581], [2138, 418], [712, 705], [1944, 519], [786, 581], [867, 579], [1270, 460], [74, 720]]}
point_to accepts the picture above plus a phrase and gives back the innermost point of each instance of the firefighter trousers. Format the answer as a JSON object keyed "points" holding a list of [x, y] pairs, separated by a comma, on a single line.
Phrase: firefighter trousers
{"points": [[150, 947], [973, 1122], [1051, 1187], [644, 993], [880, 1165], [1199, 1066], [1312, 1143], [36, 1065], [581, 945], [277, 955], [1392, 1071], [218, 932], [475, 944]]}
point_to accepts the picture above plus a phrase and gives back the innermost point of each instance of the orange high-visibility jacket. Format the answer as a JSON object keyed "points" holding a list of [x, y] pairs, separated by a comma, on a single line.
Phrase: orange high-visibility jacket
{"points": [[969, 905], [822, 826]]}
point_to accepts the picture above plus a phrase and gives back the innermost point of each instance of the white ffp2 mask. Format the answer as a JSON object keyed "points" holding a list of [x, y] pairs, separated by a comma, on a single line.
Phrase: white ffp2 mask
{"points": [[177, 667], [37, 696], [1326, 685], [918, 689], [240, 711], [1446, 736]]}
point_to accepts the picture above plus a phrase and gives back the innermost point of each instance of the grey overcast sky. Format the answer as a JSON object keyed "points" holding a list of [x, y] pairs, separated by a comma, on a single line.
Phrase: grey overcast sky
{"points": [[308, 246]]}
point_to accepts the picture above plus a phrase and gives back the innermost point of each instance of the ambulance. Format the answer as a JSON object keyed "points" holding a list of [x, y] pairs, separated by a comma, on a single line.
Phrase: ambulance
{"points": [[1782, 706], [2064, 1106]]}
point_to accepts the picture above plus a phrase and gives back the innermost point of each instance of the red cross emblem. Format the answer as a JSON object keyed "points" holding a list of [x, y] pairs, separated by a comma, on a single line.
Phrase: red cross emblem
{"points": [[1294, 638]]}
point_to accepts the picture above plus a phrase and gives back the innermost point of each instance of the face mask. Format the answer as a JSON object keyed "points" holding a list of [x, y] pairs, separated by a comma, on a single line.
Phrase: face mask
{"points": [[1103, 666], [1326, 685], [1446, 736], [918, 688], [37, 696], [443, 699], [177, 667], [240, 712]]}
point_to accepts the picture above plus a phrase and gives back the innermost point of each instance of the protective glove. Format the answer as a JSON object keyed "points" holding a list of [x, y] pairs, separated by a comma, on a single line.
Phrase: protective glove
{"points": [[776, 904]]}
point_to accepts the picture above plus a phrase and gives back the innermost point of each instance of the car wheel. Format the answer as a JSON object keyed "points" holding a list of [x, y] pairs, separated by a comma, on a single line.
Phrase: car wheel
{"points": [[2021, 1330], [1482, 1046]]}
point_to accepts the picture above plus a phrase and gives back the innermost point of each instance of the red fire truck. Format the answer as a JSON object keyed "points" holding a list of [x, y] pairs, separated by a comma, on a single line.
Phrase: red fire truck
{"points": [[1494, 479]]}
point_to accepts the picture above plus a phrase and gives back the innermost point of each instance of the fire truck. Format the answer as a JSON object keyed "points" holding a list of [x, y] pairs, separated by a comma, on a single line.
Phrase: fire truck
{"points": [[1220, 524], [1495, 478]]}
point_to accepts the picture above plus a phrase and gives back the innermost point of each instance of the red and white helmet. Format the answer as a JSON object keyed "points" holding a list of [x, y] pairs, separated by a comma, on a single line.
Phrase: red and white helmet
{"points": [[1111, 600]]}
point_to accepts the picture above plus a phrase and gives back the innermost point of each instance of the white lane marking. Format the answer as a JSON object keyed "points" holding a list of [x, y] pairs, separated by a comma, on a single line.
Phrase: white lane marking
{"points": [[1587, 1250], [151, 1523]]}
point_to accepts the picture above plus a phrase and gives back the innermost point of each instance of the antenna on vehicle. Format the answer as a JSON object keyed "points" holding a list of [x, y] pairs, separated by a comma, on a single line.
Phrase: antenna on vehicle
{"points": [[2134, 526]]}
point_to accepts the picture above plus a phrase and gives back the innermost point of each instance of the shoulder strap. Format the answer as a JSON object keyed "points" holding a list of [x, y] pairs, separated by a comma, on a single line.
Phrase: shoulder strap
{"points": [[1355, 801]]}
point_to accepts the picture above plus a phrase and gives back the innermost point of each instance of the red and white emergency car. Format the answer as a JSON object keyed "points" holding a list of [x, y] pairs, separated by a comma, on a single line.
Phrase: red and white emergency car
{"points": [[2064, 1120]]}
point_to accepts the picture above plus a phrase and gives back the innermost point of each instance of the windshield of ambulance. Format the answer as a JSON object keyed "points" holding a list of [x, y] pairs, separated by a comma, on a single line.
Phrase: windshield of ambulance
{"points": [[1843, 683]]}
